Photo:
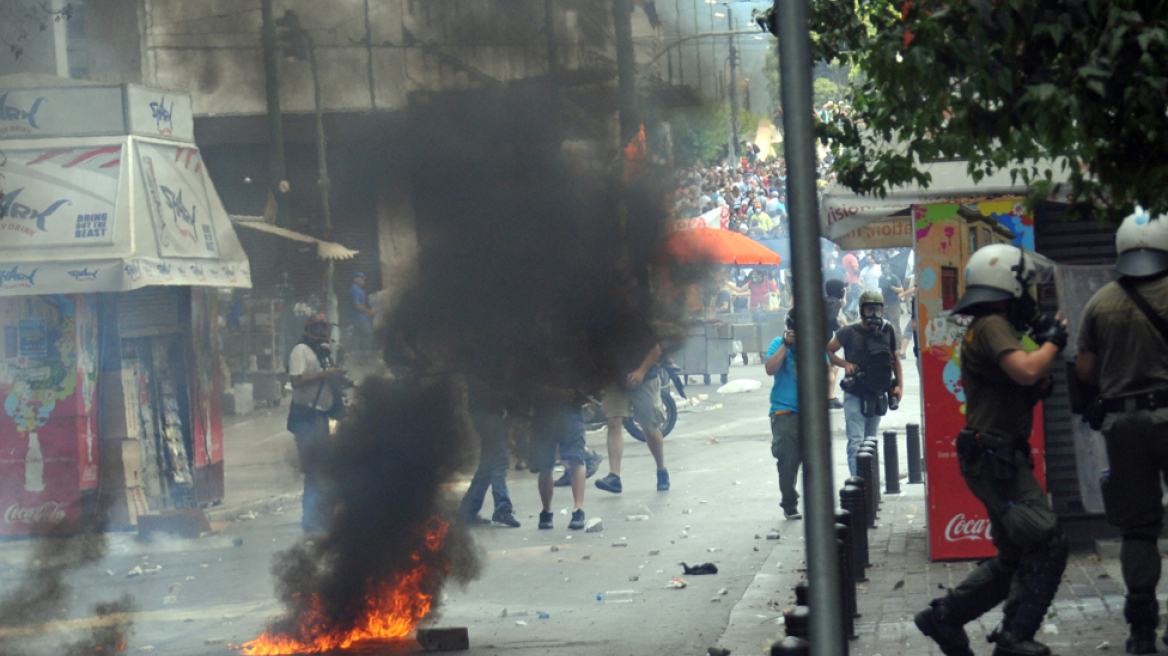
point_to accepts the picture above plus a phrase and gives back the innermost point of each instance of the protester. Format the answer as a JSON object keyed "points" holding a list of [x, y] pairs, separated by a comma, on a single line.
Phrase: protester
{"points": [[485, 406], [833, 305], [313, 397], [361, 319], [558, 428], [852, 277], [891, 287]]}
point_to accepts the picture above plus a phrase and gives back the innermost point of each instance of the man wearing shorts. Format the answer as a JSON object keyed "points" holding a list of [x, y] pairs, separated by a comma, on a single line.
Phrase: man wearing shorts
{"points": [[558, 425], [638, 396]]}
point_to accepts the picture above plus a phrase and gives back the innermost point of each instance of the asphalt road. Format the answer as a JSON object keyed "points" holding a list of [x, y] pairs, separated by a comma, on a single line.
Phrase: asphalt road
{"points": [[210, 593]]}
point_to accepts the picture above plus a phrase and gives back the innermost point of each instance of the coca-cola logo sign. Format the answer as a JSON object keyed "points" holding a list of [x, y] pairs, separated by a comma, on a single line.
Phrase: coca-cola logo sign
{"points": [[50, 512], [960, 528]]}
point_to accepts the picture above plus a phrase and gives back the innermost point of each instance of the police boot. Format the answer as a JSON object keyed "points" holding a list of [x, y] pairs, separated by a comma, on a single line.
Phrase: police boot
{"points": [[940, 623], [1142, 612], [1007, 643]]}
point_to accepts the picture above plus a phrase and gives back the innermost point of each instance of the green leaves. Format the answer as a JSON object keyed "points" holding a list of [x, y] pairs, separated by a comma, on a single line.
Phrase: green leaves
{"points": [[1000, 84]]}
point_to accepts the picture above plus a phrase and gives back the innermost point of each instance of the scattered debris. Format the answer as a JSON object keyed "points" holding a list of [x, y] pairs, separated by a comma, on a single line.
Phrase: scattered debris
{"points": [[654, 552], [757, 536], [704, 568], [503, 613], [756, 548], [520, 623], [718, 651], [715, 599], [1050, 629], [687, 511], [137, 571], [676, 584], [109, 572], [190, 578], [213, 641], [713, 549], [594, 525], [444, 639], [620, 544], [899, 585], [586, 558], [563, 511], [634, 578], [542, 615], [723, 592], [1103, 646], [637, 518], [247, 516], [712, 440], [555, 548], [169, 599], [237, 542], [773, 536]]}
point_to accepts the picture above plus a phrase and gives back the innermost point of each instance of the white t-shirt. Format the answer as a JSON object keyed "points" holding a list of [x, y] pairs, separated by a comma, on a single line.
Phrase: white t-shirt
{"points": [[301, 362], [870, 277]]}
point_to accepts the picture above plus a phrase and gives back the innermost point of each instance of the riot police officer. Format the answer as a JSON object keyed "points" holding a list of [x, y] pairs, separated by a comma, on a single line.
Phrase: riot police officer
{"points": [[1124, 351], [1002, 383]]}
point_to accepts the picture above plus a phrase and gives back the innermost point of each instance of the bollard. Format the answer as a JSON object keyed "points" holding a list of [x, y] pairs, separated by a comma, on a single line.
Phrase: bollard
{"points": [[798, 621], [866, 470], [912, 438], [847, 581], [844, 518], [874, 444], [891, 464], [791, 646], [801, 593], [852, 500]]}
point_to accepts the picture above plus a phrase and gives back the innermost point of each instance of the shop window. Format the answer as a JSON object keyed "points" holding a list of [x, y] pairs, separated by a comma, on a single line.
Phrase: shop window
{"points": [[985, 236], [948, 288], [972, 240]]}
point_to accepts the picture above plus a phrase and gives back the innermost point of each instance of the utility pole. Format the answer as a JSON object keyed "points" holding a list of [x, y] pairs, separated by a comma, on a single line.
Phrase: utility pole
{"points": [[277, 174], [790, 24], [733, 81], [677, 35], [699, 48], [626, 66]]}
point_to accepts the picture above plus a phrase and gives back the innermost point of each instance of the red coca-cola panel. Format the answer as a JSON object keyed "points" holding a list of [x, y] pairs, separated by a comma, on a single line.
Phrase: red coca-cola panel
{"points": [[958, 525]]}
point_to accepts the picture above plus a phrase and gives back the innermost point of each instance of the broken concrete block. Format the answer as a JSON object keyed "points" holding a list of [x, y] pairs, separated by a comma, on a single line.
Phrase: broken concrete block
{"points": [[444, 639], [594, 525], [555, 548]]}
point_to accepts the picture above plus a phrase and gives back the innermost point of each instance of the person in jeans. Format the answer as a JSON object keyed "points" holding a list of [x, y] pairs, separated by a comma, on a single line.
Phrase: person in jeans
{"points": [[486, 413], [312, 398], [786, 440], [871, 366]]}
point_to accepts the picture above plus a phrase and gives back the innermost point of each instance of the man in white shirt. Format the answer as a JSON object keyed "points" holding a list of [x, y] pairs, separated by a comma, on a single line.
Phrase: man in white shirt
{"points": [[870, 275], [313, 395]]}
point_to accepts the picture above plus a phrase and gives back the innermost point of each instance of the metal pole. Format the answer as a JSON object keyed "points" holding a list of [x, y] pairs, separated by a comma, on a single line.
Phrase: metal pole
{"points": [[822, 559], [733, 80], [276, 171], [323, 182], [699, 49], [626, 65]]}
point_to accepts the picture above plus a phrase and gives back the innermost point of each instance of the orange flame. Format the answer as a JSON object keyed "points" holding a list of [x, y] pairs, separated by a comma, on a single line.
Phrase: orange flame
{"points": [[391, 611]]}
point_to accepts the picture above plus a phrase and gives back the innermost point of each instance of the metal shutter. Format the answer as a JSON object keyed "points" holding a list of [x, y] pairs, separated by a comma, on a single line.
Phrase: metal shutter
{"points": [[149, 311], [1066, 242]]}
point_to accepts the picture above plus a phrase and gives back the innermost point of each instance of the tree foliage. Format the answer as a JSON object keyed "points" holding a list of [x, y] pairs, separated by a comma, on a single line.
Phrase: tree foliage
{"points": [[699, 133], [1006, 85]]}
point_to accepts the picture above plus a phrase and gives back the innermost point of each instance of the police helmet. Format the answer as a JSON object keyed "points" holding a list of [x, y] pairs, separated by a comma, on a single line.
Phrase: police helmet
{"points": [[1142, 244], [998, 272]]}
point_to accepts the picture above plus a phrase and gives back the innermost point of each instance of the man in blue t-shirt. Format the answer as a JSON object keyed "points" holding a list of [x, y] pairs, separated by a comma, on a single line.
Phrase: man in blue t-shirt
{"points": [[361, 318], [786, 442]]}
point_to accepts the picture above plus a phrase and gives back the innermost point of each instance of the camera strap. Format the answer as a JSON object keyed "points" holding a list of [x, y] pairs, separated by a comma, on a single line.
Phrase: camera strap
{"points": [[1145, 307]]}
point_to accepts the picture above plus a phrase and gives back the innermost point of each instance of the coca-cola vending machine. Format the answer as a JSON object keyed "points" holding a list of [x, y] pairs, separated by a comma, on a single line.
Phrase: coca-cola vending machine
{"points": [[946, 235], [47, 391]]}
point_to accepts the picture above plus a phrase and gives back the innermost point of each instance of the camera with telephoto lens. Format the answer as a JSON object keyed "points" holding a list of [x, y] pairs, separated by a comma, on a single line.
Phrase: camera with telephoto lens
{"points": [[325, 355], [852, 384], [893, 400]]}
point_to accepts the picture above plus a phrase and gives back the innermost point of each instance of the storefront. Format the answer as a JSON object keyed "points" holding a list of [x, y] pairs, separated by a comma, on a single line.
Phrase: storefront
{"points": [[113, 242]]}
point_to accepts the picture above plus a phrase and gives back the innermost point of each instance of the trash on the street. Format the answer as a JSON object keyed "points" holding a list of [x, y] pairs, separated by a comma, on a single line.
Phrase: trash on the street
{"points": [[637, 518], [718, 651], [520, 623], [594, 525], [586, 558], [713, 549], [237, 542], [687, 511], [620, 544], [542, 615], [1050, 629], [109, 572], [247, 516], [773, 536], [169, 599], [634, 578], [212, 641], [503, 613], [444, 638], [723, 591], [654, 552], [740, 386], [713, 599], [563, 511], [1103, 646], [676, 583], [756, 548], [704, 568], [555, 548], [137, 571]]}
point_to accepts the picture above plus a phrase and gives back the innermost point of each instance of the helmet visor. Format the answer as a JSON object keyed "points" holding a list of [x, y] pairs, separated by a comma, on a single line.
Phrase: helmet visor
{"points": [[872, 310]]}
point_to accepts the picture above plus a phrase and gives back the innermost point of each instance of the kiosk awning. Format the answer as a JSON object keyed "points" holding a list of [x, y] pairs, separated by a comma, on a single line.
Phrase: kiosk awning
{"points": [[105, 191]]}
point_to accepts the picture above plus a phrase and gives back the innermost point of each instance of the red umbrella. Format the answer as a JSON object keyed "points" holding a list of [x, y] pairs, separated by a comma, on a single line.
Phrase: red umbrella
{"points": [[717, 247]]}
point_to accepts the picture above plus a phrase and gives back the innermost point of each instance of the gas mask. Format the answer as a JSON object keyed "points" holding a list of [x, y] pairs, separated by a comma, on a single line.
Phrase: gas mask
{"points": [[872, 315]]}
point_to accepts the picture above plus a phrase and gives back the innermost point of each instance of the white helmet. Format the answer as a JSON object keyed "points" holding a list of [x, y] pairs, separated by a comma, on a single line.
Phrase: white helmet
{"points": [[1142, 245], [998, 272]]}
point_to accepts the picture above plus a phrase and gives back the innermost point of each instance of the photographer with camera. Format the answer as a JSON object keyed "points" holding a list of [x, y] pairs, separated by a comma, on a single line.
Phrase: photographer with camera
{"points": [[871, 369], [316, 397]]}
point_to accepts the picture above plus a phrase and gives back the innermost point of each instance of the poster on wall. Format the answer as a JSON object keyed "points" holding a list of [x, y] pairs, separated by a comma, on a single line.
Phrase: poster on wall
{"points": [[180, 206], [958, 525], [41, 396]]}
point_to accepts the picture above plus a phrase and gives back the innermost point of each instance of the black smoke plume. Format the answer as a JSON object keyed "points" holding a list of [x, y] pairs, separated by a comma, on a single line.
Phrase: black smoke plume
{"points": [[533, 273]]}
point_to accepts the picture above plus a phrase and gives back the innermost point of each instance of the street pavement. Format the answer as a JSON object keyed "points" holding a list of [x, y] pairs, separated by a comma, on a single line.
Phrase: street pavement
{"points": [[596, 593]]}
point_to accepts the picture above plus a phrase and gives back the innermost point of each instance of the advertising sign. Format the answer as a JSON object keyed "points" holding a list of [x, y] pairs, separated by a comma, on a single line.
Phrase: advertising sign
{"points": [[44, 401], [176, 193], [958, 525], [155, 113], [61, 112], [55, 198]]}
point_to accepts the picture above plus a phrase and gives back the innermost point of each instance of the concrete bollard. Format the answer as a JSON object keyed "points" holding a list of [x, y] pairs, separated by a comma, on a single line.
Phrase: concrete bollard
{"points": [[874, 444], [864, 467], [852, 500], [891, 464], [791, 646], [847, 581], [798, 621], [912, 438], [801, 593], [844, 518]]}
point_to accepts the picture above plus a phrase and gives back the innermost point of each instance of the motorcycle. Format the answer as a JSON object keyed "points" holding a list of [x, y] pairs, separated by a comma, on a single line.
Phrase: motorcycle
{"points": [[595, 419]]}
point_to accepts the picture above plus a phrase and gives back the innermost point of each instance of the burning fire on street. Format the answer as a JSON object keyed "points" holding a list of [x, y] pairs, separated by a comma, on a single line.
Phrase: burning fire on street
{"points": [[393, 610]]}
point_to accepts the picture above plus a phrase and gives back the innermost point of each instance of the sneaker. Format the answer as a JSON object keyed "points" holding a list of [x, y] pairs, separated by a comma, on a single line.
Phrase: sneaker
{"points": [[545, 520], [475, 520], [610, 483], [577, 522], [592, 461], [662, 480], [792, 515], [835, 404], [505, 518], [563, 481]]}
